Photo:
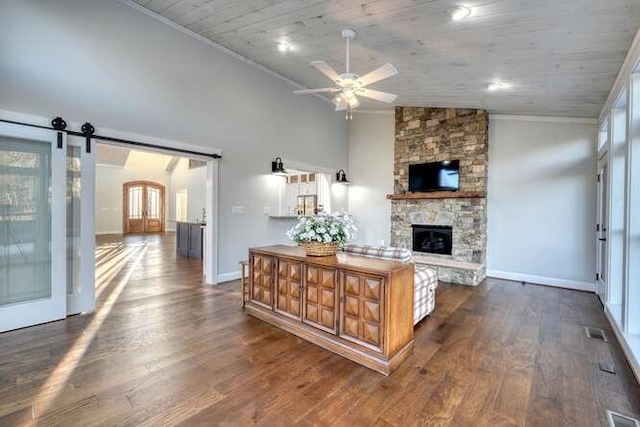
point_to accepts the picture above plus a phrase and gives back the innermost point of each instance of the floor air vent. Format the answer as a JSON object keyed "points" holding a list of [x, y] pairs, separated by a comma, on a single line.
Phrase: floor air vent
{"points": [[605, 367], [619, 420], [596, 334]]}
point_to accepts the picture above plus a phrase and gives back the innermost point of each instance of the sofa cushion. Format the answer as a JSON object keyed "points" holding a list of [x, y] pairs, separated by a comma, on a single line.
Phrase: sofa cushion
{"points": [[425, 274], [386, 252], [424, 299]]}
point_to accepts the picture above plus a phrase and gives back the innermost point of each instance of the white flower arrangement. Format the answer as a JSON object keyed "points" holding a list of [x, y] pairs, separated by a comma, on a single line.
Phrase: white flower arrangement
{"points": [[323, 228]]}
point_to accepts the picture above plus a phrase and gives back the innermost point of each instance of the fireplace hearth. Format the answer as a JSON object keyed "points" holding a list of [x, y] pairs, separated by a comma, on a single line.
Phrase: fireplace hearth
{"points": [[433, 239]]}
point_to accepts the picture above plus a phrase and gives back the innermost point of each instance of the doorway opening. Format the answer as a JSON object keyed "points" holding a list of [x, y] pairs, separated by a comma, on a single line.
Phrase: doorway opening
{"points": [[602, 226], [144, 201], [51, 209]]}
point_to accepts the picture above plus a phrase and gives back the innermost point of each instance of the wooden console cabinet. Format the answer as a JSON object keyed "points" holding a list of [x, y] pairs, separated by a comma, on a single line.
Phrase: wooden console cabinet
{"points": [[358, 307]]}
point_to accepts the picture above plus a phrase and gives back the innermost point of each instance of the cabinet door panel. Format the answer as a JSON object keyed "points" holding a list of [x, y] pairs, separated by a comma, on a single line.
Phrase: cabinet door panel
{"points": [[261, 279], [320, 298], [182, 232], [362, 309], [195, 241], [289, 279]]}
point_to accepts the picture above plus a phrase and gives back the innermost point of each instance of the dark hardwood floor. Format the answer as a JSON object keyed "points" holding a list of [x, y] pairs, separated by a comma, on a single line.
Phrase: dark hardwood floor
{"points": [[163, 349]]}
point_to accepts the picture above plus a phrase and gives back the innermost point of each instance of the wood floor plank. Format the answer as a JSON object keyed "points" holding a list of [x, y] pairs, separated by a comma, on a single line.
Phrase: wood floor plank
{"points": [[168, 350]]}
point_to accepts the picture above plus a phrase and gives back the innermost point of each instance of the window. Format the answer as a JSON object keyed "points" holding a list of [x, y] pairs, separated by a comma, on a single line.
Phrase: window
{"points": [[603, 135], [181, 206]]}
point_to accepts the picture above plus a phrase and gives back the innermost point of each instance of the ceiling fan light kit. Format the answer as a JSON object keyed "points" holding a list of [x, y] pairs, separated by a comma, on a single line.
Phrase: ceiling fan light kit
{"points": [[348, 86]]}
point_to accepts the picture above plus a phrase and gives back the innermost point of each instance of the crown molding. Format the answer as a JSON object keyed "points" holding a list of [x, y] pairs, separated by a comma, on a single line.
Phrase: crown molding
{"points": [[156, 16], [630, 61], [548, 119]]}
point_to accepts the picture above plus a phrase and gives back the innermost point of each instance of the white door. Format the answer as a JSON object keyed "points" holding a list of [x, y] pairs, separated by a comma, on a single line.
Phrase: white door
{"points": [[32, 226], [80, 226], [602, 227]]}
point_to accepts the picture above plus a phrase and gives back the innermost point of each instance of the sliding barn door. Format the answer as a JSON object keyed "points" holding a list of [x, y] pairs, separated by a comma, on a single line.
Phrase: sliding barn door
{"points": [[81, 261], [32, 226], [143, 207]]}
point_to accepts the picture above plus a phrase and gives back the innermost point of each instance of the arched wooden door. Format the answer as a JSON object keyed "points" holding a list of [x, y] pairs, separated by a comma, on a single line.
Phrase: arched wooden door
{"points": [[143, 207]]}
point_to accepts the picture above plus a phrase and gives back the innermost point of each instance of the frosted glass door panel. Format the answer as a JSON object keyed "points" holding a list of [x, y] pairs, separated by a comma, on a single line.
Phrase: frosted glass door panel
{"points": [[32, 226], [25, 221], [74, 189], [80, 169]]}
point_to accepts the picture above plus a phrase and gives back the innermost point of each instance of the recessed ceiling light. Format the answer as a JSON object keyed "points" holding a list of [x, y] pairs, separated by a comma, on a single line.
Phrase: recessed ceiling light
{"points": [[494, 86], [284, 47], [459, 13]]}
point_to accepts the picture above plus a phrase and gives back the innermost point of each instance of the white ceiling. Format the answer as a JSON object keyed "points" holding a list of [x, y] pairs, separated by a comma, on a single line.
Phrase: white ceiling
{"points": [[560, 56], [111, 155]]}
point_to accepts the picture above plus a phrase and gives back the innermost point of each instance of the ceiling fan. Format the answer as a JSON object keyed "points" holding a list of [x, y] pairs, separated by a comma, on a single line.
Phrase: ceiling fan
{"points": [[348, 86]]}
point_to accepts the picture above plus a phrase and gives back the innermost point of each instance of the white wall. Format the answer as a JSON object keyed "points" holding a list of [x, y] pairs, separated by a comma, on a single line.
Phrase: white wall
{"points": [[541, 201], [541, 195], [371, 141], [109, 181], [103, 62], [194, 182]]}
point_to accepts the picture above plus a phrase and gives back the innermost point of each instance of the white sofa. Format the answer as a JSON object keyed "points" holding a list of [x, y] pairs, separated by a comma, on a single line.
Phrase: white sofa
{"points": [[425, 279]]}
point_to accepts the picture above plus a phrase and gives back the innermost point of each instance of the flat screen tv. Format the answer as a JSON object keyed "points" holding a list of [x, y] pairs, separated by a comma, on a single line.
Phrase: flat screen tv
{"points": [[436, 176]]}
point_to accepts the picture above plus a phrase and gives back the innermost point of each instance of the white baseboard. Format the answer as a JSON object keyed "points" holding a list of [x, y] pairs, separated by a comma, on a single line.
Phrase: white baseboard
{"points": [[102, 233], [541, 280], [626, 349], [227, 277]]}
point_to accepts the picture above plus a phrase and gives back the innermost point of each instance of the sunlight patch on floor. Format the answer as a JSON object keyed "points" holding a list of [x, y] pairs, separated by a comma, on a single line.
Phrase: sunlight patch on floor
{"points": [[57, 381]]}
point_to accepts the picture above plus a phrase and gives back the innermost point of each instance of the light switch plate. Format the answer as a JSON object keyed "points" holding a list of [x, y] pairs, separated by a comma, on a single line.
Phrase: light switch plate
{"points": [[266, 210], [237, 210]]}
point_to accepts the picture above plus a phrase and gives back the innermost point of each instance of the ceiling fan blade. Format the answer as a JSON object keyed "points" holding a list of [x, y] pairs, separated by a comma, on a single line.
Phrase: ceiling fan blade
{"points": [[321, 90], [387, 70], [377, 95], [326, 69]]}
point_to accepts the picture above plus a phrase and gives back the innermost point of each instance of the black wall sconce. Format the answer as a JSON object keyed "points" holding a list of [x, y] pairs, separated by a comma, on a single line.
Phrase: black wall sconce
{"points": [[277, 167], [341, 177]]}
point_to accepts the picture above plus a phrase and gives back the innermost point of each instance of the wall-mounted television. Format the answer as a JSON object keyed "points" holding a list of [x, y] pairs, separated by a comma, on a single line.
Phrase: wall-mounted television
{"points": [[436, 176]]}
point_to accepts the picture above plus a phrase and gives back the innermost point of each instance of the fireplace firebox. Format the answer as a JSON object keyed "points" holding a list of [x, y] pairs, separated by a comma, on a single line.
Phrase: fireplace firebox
{"points": [[433, 239]]}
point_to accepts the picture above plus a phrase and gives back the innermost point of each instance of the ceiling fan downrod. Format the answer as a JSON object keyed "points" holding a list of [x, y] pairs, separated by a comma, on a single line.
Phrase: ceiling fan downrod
{"points": [[348, 34]]}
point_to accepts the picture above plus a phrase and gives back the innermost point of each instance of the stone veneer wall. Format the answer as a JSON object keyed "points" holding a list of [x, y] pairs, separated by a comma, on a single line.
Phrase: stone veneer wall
{"points": [[438, 134]]}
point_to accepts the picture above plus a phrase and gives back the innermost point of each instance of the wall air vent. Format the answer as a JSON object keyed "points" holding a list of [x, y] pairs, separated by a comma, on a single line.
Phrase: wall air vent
{"points": [[596, 334], [619, 420]]}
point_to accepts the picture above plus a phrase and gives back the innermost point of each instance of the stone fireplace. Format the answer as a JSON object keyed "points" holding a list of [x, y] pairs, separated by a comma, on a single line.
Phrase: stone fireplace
{"points": [[432, 239], [433, 135]]}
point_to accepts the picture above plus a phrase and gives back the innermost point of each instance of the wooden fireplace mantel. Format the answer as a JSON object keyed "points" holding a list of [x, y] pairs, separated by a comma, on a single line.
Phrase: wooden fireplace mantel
{"points": [[439, 195]]}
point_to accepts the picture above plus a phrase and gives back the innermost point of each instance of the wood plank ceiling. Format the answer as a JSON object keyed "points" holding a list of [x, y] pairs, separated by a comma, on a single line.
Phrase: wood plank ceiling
{"points": [[561, 57]]}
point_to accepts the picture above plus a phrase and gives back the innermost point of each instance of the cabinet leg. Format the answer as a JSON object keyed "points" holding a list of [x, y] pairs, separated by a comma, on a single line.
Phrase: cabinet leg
{"points": [[243, 282]]}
